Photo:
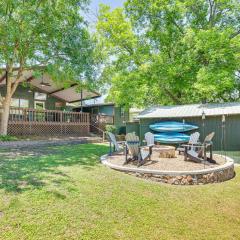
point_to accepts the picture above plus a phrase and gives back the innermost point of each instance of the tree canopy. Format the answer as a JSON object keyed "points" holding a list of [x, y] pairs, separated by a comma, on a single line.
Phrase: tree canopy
{"points": [[48, 34], [171, 52], [45, 33]]}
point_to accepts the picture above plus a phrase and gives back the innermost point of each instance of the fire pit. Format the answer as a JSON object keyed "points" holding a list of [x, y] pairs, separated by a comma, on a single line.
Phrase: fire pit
{"points": [[165, 151]]}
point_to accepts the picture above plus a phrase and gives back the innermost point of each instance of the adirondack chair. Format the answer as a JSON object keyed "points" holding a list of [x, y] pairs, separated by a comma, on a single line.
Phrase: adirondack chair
{"points": [[135, 151], [199, 154], [194, 139], [114, 143], [149, 139]]}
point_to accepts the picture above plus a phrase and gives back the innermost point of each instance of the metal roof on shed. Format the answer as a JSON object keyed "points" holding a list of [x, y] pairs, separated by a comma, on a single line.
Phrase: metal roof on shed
{"points": [[192, 110]]}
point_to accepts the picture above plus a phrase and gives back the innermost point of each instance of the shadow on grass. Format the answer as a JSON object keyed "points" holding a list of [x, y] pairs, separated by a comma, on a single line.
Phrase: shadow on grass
{"points": [[22, 169]]}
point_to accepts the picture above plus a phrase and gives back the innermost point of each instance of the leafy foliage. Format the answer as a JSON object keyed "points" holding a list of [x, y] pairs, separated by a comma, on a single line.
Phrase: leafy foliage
{"points": [[171, 52], [44, 36], [111, 128], [49, 33], [7, 138]]}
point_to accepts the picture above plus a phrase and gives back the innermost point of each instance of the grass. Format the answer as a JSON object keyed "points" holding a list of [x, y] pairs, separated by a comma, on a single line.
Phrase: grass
{"points": [[64, 193]]}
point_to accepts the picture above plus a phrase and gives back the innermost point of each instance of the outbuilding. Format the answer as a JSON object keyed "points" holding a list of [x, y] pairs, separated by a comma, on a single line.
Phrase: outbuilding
{"points": [[223, 119]]}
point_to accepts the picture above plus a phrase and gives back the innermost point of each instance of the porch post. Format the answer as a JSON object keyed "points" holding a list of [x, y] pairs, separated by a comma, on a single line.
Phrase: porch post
{"points": [[81, 100], [61, 120]]}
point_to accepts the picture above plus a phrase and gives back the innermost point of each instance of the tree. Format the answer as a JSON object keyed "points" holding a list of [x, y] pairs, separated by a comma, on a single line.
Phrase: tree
{"points": [[171, 52], [46, 36]]}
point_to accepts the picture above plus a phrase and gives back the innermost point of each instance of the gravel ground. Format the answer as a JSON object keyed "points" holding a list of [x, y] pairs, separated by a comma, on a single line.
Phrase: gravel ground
{"points": [[168, 164]]}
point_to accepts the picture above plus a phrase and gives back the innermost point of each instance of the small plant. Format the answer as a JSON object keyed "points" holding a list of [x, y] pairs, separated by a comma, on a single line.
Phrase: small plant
{"points": [[111, 128], [7, 138]]}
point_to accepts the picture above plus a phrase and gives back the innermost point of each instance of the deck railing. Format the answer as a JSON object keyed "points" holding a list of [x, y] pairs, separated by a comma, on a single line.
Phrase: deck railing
{"points": [[25, 121], [98, 122], [46, 116], [102, 119]]}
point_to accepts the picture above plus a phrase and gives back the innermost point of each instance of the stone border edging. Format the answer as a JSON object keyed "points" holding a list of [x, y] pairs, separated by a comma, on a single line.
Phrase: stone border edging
{"points": [[228, 164], [211, 175]]}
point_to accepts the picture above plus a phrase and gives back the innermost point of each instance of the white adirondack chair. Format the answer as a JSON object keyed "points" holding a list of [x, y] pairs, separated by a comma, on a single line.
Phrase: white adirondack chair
{"points": [[149, 139], [194, 139], [116, 144], [133, 148], [198, 153]]}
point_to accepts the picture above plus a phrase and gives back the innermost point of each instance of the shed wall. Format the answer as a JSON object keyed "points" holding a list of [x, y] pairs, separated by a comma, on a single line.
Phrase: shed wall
{"points": [[212, 124], [120, 120], [133, 127]]}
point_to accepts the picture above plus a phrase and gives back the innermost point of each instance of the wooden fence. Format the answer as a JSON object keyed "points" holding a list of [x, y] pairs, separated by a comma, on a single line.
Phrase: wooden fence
{"points": [[24, 121]]}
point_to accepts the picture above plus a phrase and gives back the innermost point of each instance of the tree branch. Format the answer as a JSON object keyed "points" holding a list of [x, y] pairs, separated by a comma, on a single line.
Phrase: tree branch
{"points": [[174, 98]]}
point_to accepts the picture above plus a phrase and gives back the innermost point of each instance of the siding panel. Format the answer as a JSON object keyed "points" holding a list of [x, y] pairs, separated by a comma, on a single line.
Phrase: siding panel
{"points": [[212, 124]]}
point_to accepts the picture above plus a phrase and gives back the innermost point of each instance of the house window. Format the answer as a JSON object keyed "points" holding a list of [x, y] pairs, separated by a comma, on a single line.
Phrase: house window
{"points": [[15, 102], [19, 103], [23, 103], [39, 105], [58, 104], [40, 96]]}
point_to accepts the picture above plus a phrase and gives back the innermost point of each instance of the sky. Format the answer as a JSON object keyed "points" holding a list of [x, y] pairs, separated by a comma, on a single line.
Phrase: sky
{"points": [[93, 8], [91, 17], [112, 3]]}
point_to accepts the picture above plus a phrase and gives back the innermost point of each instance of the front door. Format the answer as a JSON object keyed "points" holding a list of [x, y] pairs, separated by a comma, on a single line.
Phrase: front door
{"points": [[39, 115]]}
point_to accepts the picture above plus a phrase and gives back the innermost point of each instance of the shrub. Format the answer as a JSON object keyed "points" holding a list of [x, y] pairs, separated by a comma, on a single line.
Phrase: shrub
{"points": [[111, 128], [7, 138]]}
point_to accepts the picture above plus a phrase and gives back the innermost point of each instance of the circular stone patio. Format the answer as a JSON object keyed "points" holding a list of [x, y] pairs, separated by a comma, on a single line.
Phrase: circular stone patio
{"points": [[175, 170]]}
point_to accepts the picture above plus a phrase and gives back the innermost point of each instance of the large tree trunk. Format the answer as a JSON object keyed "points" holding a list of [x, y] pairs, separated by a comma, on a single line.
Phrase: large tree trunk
{"points": [[5, 115], [10, 90]]}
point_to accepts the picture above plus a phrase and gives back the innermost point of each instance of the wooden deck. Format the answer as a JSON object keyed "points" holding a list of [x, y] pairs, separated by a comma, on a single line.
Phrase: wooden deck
{"points": [[25, 121]]}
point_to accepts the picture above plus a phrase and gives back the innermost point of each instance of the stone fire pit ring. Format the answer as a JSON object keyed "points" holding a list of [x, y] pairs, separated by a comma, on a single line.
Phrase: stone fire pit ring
{"points": [[196, 177], [164, 151]]}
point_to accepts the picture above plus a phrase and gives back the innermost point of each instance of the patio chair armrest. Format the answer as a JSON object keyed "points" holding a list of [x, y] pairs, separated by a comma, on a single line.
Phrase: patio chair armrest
{"points": [[180, 148], [150, 145], [190, 145]]}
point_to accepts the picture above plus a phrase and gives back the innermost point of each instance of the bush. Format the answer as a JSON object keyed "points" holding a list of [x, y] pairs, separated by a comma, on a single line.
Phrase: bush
{"points": [[111, 128], [7, 138], [122, 130]]}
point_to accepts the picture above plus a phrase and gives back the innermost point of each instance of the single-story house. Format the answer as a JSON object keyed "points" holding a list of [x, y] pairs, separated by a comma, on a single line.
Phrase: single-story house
{"points": [[41, 106], [209, 118]]}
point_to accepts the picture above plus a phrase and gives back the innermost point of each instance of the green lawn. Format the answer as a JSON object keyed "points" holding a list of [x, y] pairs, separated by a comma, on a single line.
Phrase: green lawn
{"points": [[69, 195]]}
